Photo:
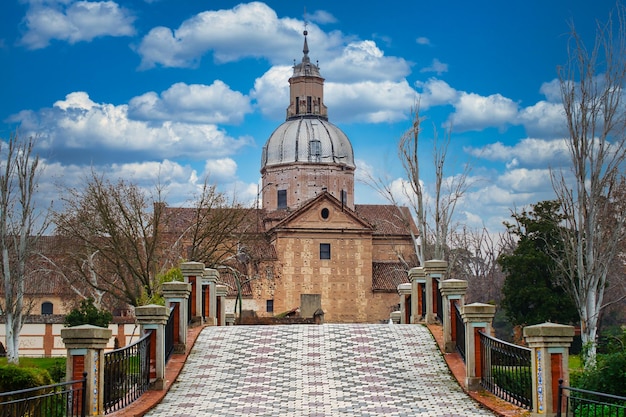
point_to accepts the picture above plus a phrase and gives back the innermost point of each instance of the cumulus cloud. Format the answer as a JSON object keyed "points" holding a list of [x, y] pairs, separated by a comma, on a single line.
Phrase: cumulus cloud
{"points": [[363, 60], [476, 112], [435, 92], [77, 127], [525, 180], [271, 93], [372, 102], [544, 119], [215, 103], [74, 21], [422, 41], [528, 152], [247, 30]]}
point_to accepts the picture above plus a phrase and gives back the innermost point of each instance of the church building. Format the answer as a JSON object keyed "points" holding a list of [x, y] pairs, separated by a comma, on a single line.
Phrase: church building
{"points": [[313, 244]]}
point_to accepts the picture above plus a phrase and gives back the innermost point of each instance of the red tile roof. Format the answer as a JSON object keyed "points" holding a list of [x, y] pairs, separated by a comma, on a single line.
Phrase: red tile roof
{"points": [[386, 276]]}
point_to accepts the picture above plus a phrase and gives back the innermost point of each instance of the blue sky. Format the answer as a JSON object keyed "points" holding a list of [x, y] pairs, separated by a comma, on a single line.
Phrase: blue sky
{"points": [[180, 89]]}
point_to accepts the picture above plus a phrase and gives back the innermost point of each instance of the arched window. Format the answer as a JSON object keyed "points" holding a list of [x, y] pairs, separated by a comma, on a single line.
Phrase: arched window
{"points": [[46, 308]]}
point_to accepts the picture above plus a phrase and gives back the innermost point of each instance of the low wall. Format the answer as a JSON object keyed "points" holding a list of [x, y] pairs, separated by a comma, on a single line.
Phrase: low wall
{"points": [[41, 335]]}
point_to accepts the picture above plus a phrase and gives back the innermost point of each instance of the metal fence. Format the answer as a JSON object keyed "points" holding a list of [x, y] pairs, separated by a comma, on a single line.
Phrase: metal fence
{"points": [[506, 370], [66, 399], [170, 330], [459, 328], [126, 374], [582, 403]]}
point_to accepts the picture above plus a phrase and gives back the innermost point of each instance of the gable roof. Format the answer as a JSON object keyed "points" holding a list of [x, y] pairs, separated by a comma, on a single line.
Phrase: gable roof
{"points": [[387, 219]]}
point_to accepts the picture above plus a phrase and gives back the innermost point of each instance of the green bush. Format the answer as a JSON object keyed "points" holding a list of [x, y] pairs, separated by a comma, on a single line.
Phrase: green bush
{"points": [[14, 378], [515, 380], [88, 313], [608, 376]]}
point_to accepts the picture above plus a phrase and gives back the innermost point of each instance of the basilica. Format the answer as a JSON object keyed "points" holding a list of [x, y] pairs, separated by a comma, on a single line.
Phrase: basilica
{"points": [[313, 244]]}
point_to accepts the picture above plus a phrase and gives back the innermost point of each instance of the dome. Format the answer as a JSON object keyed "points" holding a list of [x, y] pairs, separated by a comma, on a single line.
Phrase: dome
{"points": [[307, 140]]}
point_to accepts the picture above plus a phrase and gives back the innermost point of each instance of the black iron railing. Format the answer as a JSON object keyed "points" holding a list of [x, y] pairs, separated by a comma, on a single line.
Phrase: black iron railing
{"points": [[506, 370], [169, 332], [459, 328], [439, 300], [66, 399], [582, 403], [126, 374]]}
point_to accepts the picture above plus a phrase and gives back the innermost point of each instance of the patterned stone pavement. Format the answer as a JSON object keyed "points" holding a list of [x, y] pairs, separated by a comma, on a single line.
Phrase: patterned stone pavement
{"points": [[307, 370]]}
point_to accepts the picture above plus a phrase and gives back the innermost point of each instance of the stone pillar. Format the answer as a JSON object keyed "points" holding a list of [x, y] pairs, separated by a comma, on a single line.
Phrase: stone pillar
{"points": [[154, 318], [192, 273], [549, 344], [210, 277], [230, 319], [453, 291], [476, 317], [85, 353], [405, 303], [435, 270], [417, 277], [176, 292], [221, 292]]}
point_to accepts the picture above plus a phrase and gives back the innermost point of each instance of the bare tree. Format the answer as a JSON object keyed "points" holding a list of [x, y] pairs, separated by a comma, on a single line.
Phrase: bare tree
{"points": [[20, 227], [593, 100], [116, 229]]}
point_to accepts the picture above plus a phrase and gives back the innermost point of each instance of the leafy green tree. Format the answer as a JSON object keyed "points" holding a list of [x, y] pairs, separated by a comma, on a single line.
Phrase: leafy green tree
{"points": [[88, 313], [531, 288]]}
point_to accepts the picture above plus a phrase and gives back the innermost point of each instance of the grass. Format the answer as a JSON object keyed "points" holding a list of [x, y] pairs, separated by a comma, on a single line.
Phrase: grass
{"points": [[575, 363]]}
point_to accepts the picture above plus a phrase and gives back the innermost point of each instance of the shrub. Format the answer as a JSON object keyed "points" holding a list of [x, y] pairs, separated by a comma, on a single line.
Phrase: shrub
{"points": [[88, 313], [14, 378], [608, 376]]}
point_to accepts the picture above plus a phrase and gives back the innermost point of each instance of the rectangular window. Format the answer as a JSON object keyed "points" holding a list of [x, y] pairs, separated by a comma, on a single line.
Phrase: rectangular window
{"points": [[324, 250], [282, 199], [269, 306], [308, 104]]}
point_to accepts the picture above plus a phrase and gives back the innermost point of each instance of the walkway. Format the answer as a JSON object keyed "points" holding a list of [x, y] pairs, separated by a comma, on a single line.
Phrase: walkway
{"points": [[328, 370]]}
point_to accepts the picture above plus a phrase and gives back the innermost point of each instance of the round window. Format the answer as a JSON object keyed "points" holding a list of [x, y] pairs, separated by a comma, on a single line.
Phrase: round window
{"points": [[325, 213]]}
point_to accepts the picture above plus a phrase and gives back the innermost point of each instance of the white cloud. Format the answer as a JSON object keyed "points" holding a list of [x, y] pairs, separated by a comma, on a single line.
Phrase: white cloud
{"points": [[544, 119], [215, 103], [475, 112], [220, 170], [525, 180], [372, 102], [247, 30], [528, 152], [271, 92], [436, 66], [436, 93], [74, 21], [422, 41], [78, 127], [363, 60]]}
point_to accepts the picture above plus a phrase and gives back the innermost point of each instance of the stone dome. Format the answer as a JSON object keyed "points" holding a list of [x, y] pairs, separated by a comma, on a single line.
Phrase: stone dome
{"points": [[307, 140]]}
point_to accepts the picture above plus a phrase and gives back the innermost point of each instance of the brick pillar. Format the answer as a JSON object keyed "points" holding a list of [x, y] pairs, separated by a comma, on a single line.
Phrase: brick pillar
{"points": [[210, 277], [154, 317], [405, 303], [176, 292], [453, 291], [85, 353], [435, 270], [417, 278], [221, 292], [192, 273], [476, 317], [549, 344]]}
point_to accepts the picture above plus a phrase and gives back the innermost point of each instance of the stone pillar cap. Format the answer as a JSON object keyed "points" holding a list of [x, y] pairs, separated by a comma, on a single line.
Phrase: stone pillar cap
{"points": [[210, 275], [221, 290], [549, 330], [192, 268], [435, 263], [478, 312], [152, 314], [417, 274], [86, 336], [404, 288], [176, 289], [452, 286]]}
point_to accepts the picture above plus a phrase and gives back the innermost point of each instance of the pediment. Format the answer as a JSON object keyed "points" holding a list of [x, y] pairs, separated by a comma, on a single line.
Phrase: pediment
{"points": [[324, 212]]}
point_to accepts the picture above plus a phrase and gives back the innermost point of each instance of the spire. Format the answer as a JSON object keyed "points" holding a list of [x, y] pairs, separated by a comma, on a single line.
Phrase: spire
{"points": [[305, 49]]}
